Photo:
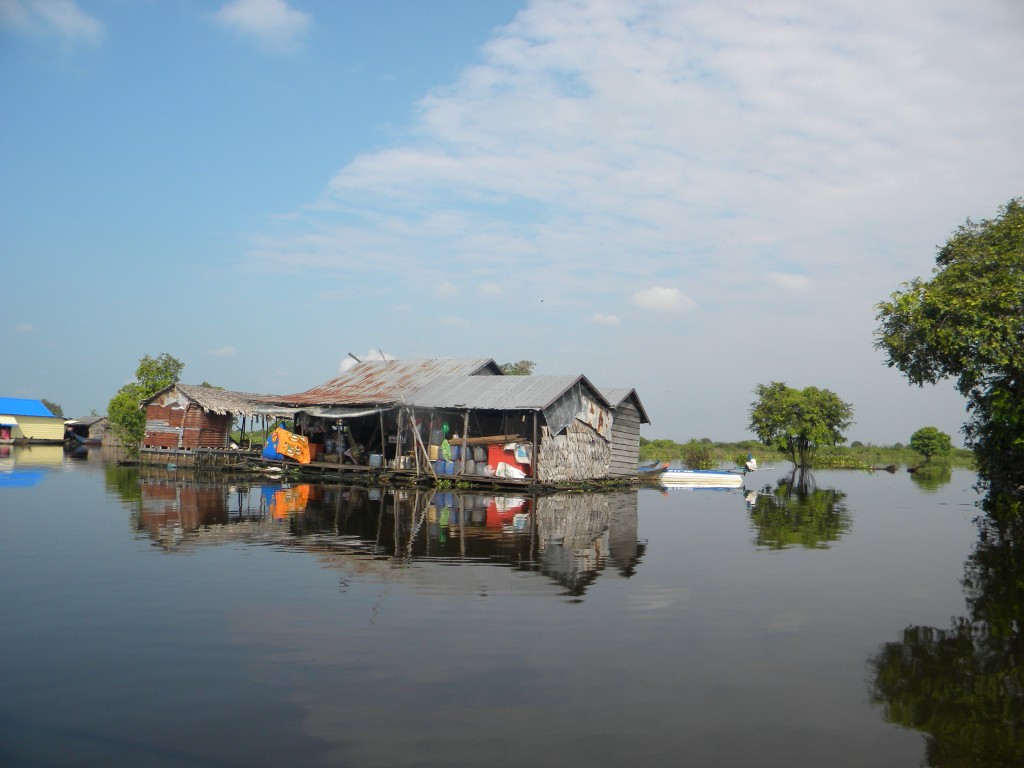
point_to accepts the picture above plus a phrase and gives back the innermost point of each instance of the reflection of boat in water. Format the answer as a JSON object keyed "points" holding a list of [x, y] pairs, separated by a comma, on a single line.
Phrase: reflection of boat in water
{"points": [[700, 478]]}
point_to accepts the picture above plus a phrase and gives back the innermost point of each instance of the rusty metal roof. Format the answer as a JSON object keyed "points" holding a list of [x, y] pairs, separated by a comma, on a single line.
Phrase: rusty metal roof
{"points": [[386, 381], [499, 393]]}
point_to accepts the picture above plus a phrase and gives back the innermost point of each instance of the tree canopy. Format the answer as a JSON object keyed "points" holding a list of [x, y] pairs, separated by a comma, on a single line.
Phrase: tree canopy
{"points": [[124, 413], [967, 323], [797, 421], [929, 441], [53, 407], [520, 368]]}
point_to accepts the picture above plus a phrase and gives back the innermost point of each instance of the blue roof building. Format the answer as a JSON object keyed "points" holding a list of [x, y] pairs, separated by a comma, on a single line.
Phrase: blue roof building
{"points": [[30, 421]]}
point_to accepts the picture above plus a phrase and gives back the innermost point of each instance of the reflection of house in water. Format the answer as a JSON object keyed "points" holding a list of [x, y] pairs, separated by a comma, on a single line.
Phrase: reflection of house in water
{"points": [[570, 538]]}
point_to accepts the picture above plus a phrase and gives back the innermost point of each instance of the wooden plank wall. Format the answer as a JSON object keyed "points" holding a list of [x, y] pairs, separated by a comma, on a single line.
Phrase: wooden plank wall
{"points": [[625, 441]]}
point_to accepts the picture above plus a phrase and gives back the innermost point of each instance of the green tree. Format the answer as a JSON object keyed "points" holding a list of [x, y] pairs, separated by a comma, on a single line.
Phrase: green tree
{"points": [[929, 441], [520, 368], [966, 323], [796, 421], [125, 416], [53, 407]]}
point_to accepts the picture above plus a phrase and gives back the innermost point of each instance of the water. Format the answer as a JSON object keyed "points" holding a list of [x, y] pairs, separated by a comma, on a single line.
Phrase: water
{"points": [[166, 619]]}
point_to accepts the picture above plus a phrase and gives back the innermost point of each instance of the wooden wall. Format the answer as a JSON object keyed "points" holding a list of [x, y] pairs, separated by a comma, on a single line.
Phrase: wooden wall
{"points": [[625, 441], [39, 429]]}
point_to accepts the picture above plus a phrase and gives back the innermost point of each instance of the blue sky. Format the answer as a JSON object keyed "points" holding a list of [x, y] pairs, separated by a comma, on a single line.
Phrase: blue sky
{"points": [[688, 198]]}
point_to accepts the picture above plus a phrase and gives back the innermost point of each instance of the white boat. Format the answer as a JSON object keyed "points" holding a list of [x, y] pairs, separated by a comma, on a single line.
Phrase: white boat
{"points": [[700, 478]]}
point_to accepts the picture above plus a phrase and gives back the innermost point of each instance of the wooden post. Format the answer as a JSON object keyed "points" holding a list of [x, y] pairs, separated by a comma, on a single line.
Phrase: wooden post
{"points": [[465, 440], [535, 459]]}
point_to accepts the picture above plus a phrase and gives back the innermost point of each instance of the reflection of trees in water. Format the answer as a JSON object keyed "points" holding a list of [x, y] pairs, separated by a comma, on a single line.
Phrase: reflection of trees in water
{"points": [[964, 686], [796, 512], [930, 477]]}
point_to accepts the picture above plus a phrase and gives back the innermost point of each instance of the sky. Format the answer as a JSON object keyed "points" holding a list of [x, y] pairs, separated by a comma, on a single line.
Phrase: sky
{"points": [[687, 198]]}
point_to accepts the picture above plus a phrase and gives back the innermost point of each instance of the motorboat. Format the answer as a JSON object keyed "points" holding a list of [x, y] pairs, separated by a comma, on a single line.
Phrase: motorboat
{"points": [[700, 478]]}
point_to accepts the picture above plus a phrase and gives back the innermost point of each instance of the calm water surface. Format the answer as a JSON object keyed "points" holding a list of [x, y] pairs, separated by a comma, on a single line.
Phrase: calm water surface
{"points": [[162, 618]]}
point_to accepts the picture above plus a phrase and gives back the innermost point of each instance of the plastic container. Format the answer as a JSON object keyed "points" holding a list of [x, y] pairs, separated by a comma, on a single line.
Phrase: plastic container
{"points": [[376, 461], [432, 451], [456, 452], [469, 468], [439, 467], [479, 453], [449, 467]]}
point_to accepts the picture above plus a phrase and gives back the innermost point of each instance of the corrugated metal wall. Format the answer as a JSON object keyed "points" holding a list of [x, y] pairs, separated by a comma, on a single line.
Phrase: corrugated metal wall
{"points": [[173, 427]]}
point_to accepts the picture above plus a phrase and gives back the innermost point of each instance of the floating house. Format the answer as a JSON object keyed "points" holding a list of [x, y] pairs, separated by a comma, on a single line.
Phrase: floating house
{"points": [[29, 421], [463, 418], [88, 430], [438, 417]]}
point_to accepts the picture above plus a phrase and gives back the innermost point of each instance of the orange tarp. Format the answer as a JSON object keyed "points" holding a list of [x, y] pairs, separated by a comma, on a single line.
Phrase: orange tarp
{"points": [[292, 446]]}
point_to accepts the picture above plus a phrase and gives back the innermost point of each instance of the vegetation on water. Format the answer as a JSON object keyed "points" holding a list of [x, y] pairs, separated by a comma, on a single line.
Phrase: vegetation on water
{"points": [[965, 324], [857, 455]]}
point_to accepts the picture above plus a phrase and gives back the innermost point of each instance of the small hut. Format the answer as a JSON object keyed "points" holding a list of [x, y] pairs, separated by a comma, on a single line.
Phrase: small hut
{"points": [[183, 417]]}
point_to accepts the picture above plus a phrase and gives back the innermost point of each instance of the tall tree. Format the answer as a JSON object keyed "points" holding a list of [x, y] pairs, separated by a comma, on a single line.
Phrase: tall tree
{"points": [[796, 421], [124, 413], [967, 323]]}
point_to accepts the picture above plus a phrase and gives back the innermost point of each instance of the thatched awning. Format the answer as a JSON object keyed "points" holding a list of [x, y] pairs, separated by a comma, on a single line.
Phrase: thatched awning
{"points": [[224, 402]]}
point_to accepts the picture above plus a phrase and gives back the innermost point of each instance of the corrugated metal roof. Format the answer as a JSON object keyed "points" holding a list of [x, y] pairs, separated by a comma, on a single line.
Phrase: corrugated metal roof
{"points": [[616, 395], [498, 393], [386, 381], [19, 406]]}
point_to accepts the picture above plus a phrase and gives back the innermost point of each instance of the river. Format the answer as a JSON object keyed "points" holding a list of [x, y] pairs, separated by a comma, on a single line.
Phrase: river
{"points": [[164, 618]]}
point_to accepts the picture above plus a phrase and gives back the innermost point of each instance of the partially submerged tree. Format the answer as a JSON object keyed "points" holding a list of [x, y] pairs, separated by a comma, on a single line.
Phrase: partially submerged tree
{"points": [[125, 416], [967, 323], [796, 421], [929, 441]]}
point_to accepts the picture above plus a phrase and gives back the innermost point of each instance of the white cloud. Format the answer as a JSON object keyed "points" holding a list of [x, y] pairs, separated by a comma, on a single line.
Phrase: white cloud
{"points": [[225, 351], [789, 282], [24, 328], [602, 319], [62, 18], [490, 289], [446, 290], [661, 299], [273, 24], [601, 147]]}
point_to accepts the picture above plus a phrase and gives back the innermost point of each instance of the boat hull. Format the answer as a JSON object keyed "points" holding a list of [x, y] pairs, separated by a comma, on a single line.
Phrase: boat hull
{"points": [[700, 478]]}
